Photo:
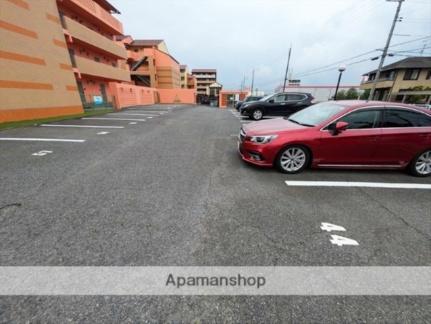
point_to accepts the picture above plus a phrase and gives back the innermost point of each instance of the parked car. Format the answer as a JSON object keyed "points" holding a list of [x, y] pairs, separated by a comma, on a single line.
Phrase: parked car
{"points": [[343, 134], [426, 106], [279, 104], [247, 99]]}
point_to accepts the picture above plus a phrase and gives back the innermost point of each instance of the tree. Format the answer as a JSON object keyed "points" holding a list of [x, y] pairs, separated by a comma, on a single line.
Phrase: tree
{"points": [[365, 94], [352, 93], [341, 95]]}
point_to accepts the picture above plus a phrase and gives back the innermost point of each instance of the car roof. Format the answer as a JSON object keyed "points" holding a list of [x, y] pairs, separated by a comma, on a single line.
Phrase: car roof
{"points": [[354, 104], [299, 93]]}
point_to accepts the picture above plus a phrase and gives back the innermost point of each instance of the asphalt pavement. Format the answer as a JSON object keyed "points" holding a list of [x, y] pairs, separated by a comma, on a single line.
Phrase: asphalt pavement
{"points": [[164, 186]]}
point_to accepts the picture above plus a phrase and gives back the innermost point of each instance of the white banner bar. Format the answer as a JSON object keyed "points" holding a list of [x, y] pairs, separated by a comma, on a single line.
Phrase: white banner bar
{"points": [[305, 281]]}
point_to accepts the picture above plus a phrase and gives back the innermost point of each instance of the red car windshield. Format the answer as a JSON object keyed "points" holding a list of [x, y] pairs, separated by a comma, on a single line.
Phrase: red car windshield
{"points": [[316, 114]]}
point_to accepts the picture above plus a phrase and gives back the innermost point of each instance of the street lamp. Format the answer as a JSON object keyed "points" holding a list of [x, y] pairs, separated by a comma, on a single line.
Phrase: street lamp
{"points": [[341, 69]]}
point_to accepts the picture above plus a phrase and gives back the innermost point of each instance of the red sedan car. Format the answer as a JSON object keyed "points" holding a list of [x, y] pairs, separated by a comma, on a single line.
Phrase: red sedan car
{"points": [[342, 134]]}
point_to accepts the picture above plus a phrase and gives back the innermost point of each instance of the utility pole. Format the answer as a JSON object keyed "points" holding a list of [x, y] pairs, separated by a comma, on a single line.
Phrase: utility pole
{"points": [[385, 50], [287, 68], [243, 83], [252, 82], [423, 48]]}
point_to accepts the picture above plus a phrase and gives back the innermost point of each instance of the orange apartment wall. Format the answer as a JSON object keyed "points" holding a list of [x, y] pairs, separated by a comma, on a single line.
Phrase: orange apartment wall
{"points": [[184, 96], [127, 95], [34, 82]]}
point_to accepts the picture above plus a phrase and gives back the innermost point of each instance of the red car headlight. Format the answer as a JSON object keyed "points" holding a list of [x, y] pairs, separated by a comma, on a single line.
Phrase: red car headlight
{"points": [[262, 139]]}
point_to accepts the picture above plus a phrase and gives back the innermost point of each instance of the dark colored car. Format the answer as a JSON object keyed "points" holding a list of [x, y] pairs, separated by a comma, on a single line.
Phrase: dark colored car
{"points": [[248, 99], [279, 104], [343, 134]]}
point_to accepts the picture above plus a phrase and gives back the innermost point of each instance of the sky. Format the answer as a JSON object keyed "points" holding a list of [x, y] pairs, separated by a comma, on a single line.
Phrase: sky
{"points": [[237, 36]]}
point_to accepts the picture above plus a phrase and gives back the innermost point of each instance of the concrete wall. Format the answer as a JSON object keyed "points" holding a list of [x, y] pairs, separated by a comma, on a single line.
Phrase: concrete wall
{"points": [[223, 96], [36, 78], [184, 96], [127, 95]]}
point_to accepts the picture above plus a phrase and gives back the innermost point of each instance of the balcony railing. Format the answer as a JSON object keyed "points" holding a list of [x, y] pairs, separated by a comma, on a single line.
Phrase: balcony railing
{"points": [[93, 38], [98, 12], [381, 79], [101, 70]]}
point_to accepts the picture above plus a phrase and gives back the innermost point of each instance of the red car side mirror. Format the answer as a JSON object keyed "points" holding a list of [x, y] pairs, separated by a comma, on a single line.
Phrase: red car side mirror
{"points": [[341, 126], [338, 127]]}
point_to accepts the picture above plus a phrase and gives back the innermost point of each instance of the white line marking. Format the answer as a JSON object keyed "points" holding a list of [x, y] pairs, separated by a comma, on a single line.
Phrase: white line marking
{"points": [[358, 184], [341, 240], [132, 123], [150, 111], [29, 139], [121, 119], [331, 227], [102, 133], [42, 153], [127, 114], [80, 126]]}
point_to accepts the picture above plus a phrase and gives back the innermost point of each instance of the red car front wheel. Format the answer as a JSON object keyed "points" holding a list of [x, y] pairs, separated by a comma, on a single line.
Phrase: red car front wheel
{"points": [[293, 159]]}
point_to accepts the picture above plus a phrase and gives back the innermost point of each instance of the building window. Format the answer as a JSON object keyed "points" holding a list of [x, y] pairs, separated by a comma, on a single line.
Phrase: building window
{"points": [[97, 59], [411, 74], [428, 75]]}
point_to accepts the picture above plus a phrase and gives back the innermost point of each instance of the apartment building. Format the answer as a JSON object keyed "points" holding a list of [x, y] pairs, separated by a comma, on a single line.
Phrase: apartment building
{"points": [[57, 56], [204, 78], [184, 71], [97, 59], [191, 81], [408, 80], [151, 64]]}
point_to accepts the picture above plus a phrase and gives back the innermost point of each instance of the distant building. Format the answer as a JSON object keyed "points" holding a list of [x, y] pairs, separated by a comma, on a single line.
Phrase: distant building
{"points": [[191, 81], [319, 92], [204, 78], [183, 73], [151, 64], [408, 80]]}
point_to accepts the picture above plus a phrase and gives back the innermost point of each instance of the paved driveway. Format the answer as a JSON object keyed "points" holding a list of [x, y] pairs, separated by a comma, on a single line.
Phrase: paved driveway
{"points": [[171, 190]]}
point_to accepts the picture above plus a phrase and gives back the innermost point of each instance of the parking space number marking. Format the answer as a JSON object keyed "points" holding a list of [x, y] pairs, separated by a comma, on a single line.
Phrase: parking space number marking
{"points": [[341, 240], [42, 153], [332, 227]]}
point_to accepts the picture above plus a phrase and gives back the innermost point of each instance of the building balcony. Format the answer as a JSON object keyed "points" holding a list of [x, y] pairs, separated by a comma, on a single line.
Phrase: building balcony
{"points": [[91, 9], [382, 83], [100, 70], [141, 72], [93, 39], [134, 56], [205, 76]]}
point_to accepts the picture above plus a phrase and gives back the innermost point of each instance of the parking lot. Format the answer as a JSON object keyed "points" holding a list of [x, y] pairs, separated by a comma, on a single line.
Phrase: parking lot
{"points": [[164, 185]]}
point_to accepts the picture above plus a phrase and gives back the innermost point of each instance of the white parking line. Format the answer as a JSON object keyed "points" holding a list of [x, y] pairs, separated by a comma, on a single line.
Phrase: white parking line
{"points": [[102, 133], [358, 184], [80, 126], [29, 139], [121, 119], [127, 114]]}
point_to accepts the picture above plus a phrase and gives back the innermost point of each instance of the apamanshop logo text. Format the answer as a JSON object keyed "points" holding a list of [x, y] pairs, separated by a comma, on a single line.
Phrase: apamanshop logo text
{"points": [[215, 281]]}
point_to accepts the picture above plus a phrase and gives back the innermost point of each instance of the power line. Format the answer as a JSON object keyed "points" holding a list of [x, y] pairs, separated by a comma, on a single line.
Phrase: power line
{"points": [[323, 68]]}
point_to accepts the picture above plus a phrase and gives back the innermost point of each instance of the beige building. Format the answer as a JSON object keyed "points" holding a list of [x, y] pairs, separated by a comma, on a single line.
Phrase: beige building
{"points": [[184, 71], [204, 78], [408, 80]]}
